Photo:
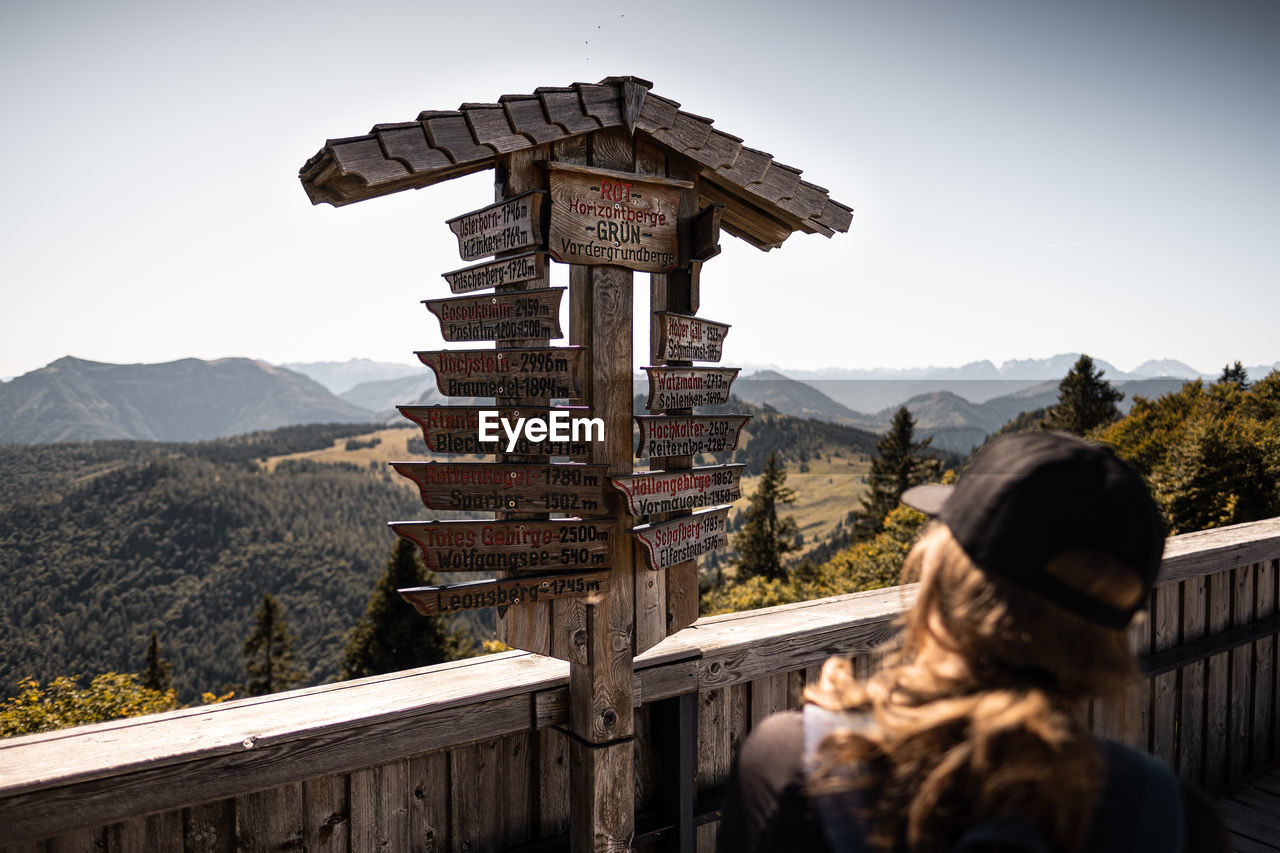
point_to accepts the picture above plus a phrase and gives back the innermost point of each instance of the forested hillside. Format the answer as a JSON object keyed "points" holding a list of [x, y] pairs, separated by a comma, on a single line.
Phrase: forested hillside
{"points": [[102, 543]]}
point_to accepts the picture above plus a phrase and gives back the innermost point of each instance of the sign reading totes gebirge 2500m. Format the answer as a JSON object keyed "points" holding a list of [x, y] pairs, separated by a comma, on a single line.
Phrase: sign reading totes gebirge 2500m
{"points": [[528, 545], [502, 227]]}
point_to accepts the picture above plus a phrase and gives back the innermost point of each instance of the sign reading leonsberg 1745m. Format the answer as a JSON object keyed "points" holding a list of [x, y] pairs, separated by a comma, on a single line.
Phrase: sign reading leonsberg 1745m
{"points": [[533, 373], [502, 227], [685, 338], [600, 216], [505, 316], [670, 542], [686, 387], [473, 595], [527, 545], [509, 487], [671, 491], [686, 435], [524, 267], [456, 429]]}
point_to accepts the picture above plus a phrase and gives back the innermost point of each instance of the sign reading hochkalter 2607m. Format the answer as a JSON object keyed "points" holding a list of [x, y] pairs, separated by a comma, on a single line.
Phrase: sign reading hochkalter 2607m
{"points": [[687, 435], [622, 219], [502, 227]]}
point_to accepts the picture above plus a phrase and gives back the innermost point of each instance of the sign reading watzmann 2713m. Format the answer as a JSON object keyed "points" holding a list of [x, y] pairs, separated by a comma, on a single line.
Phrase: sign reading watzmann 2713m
{"points": [[686, 435], [600, 216], [524, 267], [686, 387], [499, 316], [473, 595], [670, 542], [502, 227], [535, 373], [456, 429], [527, 545], [672, 491], [509, 487], [685, 338]]}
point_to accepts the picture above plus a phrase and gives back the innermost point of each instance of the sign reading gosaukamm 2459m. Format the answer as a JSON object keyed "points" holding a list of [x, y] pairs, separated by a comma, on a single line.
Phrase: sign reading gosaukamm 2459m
{"points": [[600, 216], [499, 316]]}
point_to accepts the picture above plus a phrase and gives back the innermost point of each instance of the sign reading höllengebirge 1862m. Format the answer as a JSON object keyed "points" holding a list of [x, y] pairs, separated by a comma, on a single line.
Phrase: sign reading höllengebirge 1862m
{"points": [[527, 545], [686, 435], [503, 227], [670, 542], [531, 373], [473, 595], [456, 429], [672, 491], [524, 267], [685, 338], [509, 487], [600, 216], [686, 387], [506, 316]]}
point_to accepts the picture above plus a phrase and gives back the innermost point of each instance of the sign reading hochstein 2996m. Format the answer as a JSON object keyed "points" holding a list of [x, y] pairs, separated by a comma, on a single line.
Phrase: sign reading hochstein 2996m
{"points": [[609, 180]]}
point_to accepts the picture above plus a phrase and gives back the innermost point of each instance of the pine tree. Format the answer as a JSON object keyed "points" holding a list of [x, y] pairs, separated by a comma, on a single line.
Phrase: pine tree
{"points": [[900, 463], [1235, 374], [1085, 400], [765, 537], [391, 635], [268, 651], [158, 674]]}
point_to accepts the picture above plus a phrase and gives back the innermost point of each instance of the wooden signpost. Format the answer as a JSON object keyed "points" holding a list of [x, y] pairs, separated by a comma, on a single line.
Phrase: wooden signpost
{"points": [[475, 595], [670, 542], [602, 216], [685, 338], [523, 546], [513, 270], [503, 487], [499, 317], [502, 227], [530, 373], [688, 435], [672, 491], [687, 387], [456, 429]]}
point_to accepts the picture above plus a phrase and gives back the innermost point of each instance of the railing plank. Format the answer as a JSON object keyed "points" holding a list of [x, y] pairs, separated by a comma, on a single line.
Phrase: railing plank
{"points": [[429, 802], [553, 783], [1207, 551], [1219, 669], [1240, 703], [380, 807], [1264, 674], [1164, 712], [271, 819], [1191, 693], [474, 799], [210, 827], [326, 821]]}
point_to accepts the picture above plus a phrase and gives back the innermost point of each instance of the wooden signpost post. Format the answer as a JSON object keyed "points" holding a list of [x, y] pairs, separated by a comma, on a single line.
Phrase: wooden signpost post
{"points": [[609, 181]]}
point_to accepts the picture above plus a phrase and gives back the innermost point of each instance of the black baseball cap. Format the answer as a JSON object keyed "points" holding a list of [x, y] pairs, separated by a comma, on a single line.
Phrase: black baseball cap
{"points": [[1029, 497]]}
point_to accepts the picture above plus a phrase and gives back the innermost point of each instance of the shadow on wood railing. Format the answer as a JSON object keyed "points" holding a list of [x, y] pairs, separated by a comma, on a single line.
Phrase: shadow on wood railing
{"points": [[470, 756]]}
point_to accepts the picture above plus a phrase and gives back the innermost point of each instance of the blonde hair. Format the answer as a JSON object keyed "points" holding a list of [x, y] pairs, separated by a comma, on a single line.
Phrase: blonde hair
{"points": [[977, 711]]}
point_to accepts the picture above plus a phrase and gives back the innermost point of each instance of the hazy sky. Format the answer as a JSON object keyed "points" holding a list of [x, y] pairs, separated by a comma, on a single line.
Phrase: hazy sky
{"points": [[1028, 177]]}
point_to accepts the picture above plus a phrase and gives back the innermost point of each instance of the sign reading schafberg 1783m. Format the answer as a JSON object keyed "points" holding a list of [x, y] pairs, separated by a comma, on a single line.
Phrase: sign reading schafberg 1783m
{"points": [[502, 227], [670, 542], [600, 216]]}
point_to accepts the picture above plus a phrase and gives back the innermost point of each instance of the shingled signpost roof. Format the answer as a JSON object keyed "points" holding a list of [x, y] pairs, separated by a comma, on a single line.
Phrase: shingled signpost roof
{"points": [[765, 201]]}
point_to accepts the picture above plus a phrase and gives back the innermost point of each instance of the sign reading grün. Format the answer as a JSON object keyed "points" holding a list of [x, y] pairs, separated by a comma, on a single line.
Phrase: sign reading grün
{"points": [[622, 219]]}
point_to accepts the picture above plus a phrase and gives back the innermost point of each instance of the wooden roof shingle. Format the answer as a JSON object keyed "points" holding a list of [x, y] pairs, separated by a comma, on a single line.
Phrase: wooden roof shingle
{"points": [[766, 201]]}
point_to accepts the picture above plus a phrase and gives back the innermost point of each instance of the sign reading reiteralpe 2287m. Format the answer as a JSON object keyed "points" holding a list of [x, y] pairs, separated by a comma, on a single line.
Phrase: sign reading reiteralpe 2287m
{"points": [[587, 217]]}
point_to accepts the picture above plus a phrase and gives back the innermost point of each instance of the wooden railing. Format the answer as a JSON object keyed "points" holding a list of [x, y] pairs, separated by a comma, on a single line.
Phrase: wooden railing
{"points": [[470, 756]]}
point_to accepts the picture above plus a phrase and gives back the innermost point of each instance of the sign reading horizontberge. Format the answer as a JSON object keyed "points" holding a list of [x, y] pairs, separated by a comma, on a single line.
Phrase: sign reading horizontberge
{"points": [[600, 216], [670, 542], [508, 487], [502, 227], [685, 338], [527, 545], [504, 316], [686, 387], [686, 435], [671, 491], [473, 595], [533, 373]]}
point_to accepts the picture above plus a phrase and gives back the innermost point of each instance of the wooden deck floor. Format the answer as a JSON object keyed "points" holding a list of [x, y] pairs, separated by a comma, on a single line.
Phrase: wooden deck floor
{"points": [[1252, 815]]}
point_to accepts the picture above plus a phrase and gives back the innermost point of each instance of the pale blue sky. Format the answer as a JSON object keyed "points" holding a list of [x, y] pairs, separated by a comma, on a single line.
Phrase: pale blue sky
{"points": [[1028, 178]]}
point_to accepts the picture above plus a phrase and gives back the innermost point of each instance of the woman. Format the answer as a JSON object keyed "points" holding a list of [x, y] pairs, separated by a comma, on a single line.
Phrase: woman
{"points": [[971, 737]]}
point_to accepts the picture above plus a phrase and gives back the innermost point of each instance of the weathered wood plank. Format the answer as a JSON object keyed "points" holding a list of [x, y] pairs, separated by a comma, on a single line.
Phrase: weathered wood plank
{"points": [[1216, 684], [210, 827], [271, 819], [1240, 705], [1139, 696], [146, 834], [1207, 551], [89, 841], [1165, 710], [380, 807], [1191, 691], [608, 825], [326, 815], [429, 787], [518, 788], [713, 739], [1264, 697], [768, 696], [553, 783]]}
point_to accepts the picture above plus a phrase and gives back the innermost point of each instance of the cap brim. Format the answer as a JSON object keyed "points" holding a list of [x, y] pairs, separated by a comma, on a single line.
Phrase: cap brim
{"points": [[928, 498]]}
